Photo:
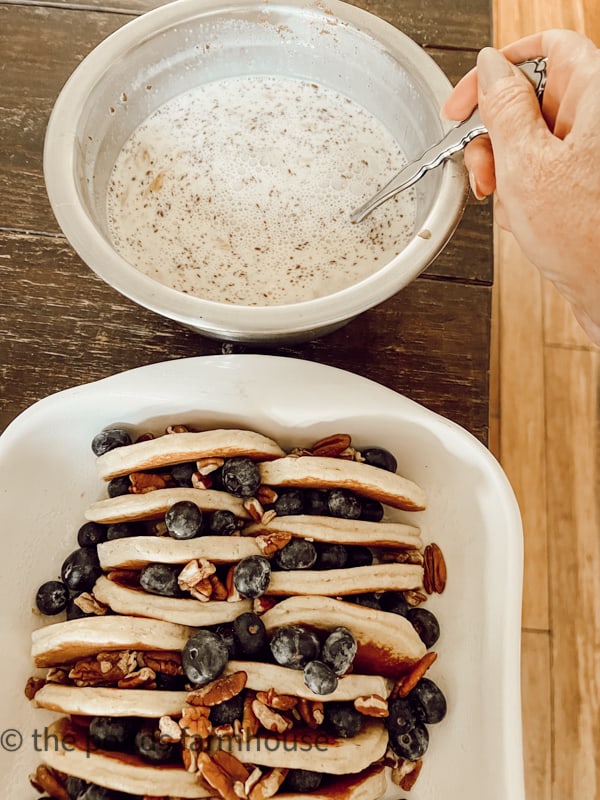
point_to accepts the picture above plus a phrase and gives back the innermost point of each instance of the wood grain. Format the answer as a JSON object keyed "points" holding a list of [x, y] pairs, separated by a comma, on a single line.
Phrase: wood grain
{"points": [[573, 454], [430, 341], [537, 713]]}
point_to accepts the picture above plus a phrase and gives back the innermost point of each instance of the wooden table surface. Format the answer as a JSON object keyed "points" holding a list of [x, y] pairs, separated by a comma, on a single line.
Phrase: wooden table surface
{"points": [[60, 325]]}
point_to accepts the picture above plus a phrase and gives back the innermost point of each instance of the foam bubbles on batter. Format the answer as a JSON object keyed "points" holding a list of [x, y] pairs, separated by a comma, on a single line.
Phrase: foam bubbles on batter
{"points": [[241, 190]]}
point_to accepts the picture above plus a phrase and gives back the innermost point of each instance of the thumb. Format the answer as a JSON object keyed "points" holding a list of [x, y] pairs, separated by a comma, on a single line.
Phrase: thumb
{"points": [[507, 103]]}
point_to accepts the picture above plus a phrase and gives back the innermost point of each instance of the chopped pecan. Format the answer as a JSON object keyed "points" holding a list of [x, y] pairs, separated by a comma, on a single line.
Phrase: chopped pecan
{"points": [[144, 678], [201, 481], [372, 705], [407, 682], [268, 516], [250, 722], [45, 779], [209, 464], [219, 592], [282, 702], [232, 765], [266, 495], [219, 690], [142, 482], [216, 777], [414, 597], [434, 572], [312, 712], [331, 446], [57, 675], [124, 660], [33, 686], [401, 557], [405, 773], [89, 605], [177, 429], [167, 663], [252, 780], [195, 573], [233, 596], [268, 785], [254, 508], [270, 543], [263, 603], [169, 730]]}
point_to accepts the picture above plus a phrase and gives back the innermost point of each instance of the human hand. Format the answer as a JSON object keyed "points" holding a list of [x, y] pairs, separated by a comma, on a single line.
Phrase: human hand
{"points": [[543, 164]]}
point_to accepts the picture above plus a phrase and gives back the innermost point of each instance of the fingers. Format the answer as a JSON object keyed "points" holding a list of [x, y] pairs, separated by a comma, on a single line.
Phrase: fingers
{"points": [[462, 99], [479, 162]]}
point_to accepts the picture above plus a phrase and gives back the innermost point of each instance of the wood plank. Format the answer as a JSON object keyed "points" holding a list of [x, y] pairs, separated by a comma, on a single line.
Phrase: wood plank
{"points": [[573, 447], [63, 38], [426, 21], [438, 355], [536, 692], [522, 416], [560, 325]]}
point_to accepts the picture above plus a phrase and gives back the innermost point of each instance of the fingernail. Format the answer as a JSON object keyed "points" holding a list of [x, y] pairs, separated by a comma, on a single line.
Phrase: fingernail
{"points": [[491, 67], [474, 189]]}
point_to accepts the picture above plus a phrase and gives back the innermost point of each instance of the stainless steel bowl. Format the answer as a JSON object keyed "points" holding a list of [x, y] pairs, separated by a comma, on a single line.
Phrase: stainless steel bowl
{"points": [[160, 55]]}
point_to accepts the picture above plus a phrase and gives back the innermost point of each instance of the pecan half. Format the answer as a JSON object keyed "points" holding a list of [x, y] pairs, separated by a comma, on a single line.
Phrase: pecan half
{"points": [[144, 678], [405, 773], [195, 723], [142, 482], [232, 765], [434, 570], [250, 722], [408, 682], [219, 690], [266, 495], [216, 777], [331, 446], [166, 663], [89, 605]]}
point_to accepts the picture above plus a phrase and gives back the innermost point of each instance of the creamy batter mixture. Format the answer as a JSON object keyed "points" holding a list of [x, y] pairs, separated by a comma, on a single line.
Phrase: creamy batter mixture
{"points": [[241, 190]]}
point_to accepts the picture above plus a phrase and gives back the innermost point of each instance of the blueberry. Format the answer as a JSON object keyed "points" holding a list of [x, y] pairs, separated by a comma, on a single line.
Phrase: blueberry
{"points": [[330, 556], [343, 719], [123, 530], [297, 554], [428, 701], [150, 745], [222, 523], [228, 711], [339, 650], [52, 597], [225, 631], [290, 501], [320, 678], [358, 555], [182, 473], [170, 683], [240, 476], [426, 625], [161, 579], [371, 510], [294, 646], [379, 457], [315, 502], [109, 439], [204, 657], [343, 503], [249, 635], [183, 520], [75, 787], [401, 718], [251, 576], [412, 744], [119, 486], [395, 603], [90, 534], [367, 599], [301, 781], [81, 569], [112, 733]]}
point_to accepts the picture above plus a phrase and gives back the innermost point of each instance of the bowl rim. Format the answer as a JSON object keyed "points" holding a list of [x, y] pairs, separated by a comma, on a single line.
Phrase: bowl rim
{"points": [[60, 146]]}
